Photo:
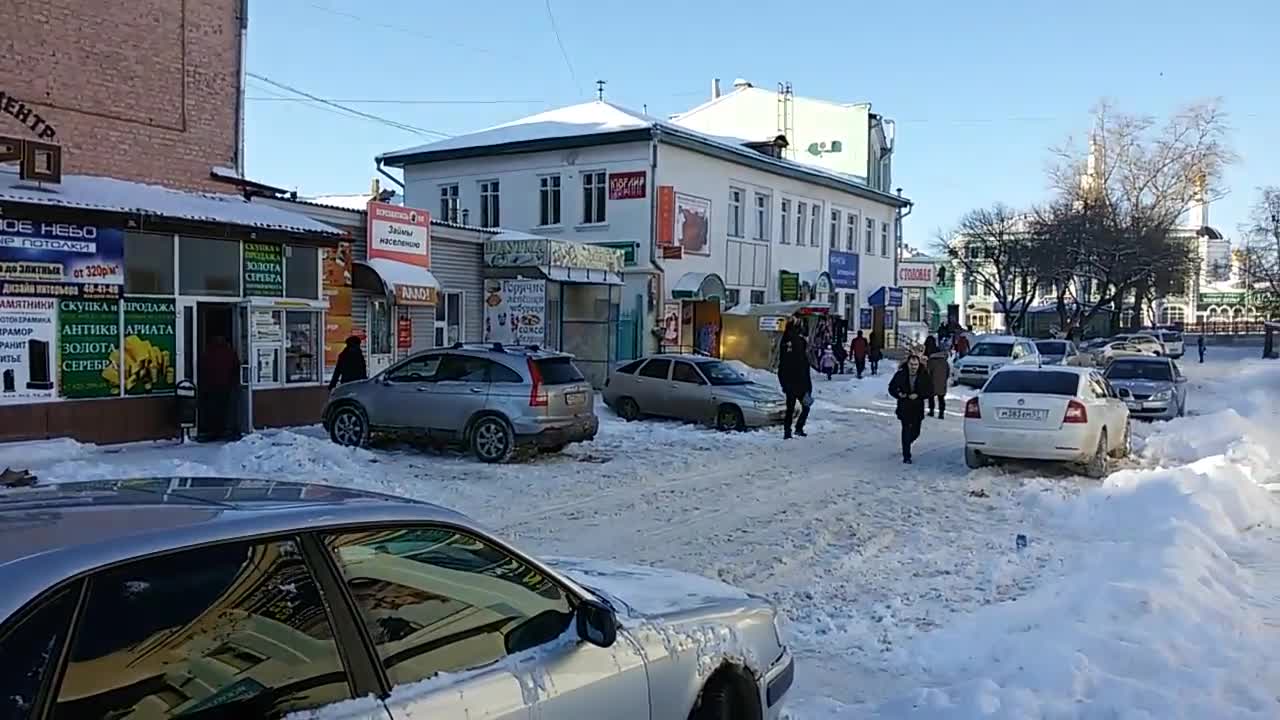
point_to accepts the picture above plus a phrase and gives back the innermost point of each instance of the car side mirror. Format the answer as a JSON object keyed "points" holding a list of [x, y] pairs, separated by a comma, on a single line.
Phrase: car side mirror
{"points": [[1180, 379], [597, 623]]}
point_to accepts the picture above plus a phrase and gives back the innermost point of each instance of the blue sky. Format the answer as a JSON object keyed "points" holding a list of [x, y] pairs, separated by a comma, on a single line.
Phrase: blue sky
{"points": [[979, 89]]}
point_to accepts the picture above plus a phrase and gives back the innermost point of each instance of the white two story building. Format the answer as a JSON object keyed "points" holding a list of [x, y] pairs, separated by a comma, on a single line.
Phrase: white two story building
{"points": [[706, 222]]}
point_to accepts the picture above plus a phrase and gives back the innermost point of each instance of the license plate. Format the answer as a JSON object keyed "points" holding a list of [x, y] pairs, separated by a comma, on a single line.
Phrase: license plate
{"points": [[574, 398], [1021, 414], [1134, 405]]}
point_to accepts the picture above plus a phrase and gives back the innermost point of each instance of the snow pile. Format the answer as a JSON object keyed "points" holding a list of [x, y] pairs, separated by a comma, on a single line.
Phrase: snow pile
{"points": [[22, 455]]}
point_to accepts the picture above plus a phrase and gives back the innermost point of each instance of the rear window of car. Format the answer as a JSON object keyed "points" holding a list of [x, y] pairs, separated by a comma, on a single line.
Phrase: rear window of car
{"points": [[656, 369], [1121, 370], [1170, 336], [630, 368], [1052, 348], [1029, 382], [990, 349], [558, 371]]}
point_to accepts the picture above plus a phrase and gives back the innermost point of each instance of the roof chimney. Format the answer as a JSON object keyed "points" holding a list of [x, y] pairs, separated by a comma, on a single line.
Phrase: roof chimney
{"points": [[715, 88], [740, 83]]}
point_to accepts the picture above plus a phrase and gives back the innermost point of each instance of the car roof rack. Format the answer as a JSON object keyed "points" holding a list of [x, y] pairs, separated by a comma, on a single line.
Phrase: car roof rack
{"points": [[495, 347]]}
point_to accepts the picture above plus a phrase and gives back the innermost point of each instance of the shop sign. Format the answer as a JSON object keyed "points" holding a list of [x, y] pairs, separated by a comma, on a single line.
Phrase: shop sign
{"points": [[865, 318], [336, 285], [886, 295], [28, 116], [666, 216], [415, 295], [917, 275], [263, 270], [773, 323], [88, 348], [149, 345], [788, 286], [399, 233], [586, 257], [514, 312], [844, 269], [1222, 298], [693, 224], [264, 327], [404, 332], [822, 287], [627, 185], [28, 352], [47, 259]]}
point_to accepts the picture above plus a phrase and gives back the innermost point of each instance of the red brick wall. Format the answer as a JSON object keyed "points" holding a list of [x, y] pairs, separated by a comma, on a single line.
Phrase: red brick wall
{"points": [[139, 89]]}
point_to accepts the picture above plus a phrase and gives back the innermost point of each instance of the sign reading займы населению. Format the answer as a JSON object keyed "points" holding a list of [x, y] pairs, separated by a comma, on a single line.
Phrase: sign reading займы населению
{"points": [[263, 269]]}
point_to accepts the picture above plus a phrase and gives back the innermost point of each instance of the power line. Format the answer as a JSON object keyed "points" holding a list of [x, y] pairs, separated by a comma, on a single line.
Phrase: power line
{"points": [[551, 16], [358, 113], [405, 30], [395, 101]]}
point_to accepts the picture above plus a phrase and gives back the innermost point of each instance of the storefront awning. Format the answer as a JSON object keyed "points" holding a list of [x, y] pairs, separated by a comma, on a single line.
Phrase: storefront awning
{"points": [[408, 284], [589, 276], [698, 286], [558, 260]]}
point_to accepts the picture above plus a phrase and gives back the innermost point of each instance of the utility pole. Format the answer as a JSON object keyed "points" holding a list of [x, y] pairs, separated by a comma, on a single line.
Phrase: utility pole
{"points": [[600, 89]]}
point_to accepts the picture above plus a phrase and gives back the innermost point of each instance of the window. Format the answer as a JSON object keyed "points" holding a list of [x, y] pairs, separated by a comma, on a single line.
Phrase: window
{"points": [[971, 286], [549, 200], [30, 649], [303, 354], [436, 600], [735, 212], [595, 192], [379, 327], [630, 368], [558, 371], [463, 368], [1033, 382], [489, 204], [785, 227], [1140, 370], [301, 272], [815, 225], [763, 220], [686, 373], [148, 264], [732, 296], [884, 238], [208, 267], [449, 324], [802, 210], [499, 373], [835, 229], [870, 236], [449, 202], [656, 369], [419, 369], [757, 297], [851, 233], [992, 349], [720, 372], [173, 635]]}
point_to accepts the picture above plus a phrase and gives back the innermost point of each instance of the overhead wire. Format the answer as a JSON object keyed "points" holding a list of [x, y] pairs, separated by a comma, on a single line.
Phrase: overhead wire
{"points": [[358, 113], [563, 53]]}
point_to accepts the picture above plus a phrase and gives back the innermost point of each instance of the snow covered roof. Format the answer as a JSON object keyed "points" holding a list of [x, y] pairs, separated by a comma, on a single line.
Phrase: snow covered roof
{"points": [[88, 192], [600, 122], [349, 202]]}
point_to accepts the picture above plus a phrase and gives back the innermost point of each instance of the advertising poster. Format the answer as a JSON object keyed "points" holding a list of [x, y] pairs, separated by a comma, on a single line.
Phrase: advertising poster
{"points": [[844, 269], [666, 216], [693, 224], [514, 311], [150, 345], [404, 332], [48, 259], [336, 285], [399, 233], [263, 269], [88, 348], [28, 351], [671, 323]]}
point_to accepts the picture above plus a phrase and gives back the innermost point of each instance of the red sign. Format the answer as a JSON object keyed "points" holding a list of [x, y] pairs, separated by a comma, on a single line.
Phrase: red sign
{"points": [[916, 275], [404, 332], [399, 233], [627, 185], [666, 216]]}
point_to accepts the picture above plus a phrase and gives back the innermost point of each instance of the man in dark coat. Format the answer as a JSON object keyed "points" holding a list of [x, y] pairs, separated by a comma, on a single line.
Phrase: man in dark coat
{"points": [[793, 376], [910, 386], [858, 348], [350, 365], [876, 353], [219, 380]]}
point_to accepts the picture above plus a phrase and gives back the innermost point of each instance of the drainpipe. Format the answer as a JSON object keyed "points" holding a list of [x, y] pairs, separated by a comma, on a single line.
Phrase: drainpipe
{"points": [[897, 241], [661, 272], [388, 175], [241, 68]]}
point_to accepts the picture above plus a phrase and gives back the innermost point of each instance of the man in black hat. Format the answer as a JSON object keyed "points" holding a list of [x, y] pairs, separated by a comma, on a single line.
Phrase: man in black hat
{"points": [[350, 365]]}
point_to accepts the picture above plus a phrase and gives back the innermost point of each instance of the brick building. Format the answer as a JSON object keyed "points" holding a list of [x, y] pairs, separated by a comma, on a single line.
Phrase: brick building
{"points": [[145, 90]]}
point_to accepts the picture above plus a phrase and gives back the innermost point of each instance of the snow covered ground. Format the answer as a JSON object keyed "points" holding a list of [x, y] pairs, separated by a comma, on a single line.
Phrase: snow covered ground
{"points": [[1153, 594]]}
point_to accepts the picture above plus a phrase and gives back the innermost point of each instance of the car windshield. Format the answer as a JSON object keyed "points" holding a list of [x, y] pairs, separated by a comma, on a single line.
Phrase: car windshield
{"points": [[1140, 371], [1033, 382], [1052, 347], [722, 373], [990, 349]]}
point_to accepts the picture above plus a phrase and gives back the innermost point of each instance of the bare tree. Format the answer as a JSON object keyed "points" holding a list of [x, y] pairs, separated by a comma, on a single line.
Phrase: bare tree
{"points": [[994, 247], [1262, 252]]}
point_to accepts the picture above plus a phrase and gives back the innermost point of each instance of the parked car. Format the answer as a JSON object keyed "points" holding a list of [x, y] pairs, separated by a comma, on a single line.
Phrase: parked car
{"points": [[1145, 342], [492, 399], [1152, 387], [1174, 346], [1063, 414], [992, 352], [1060, 352], [1103, 356], [695, 388], [220, 598]]}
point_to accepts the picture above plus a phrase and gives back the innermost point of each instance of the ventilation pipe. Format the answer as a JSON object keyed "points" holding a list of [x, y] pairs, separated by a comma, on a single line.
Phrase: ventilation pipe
{"points": [[715, 88]]}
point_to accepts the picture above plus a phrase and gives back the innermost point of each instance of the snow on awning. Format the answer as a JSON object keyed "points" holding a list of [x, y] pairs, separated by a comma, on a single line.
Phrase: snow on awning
{"points": [[409, 284], [698, 286], [87, 192]]}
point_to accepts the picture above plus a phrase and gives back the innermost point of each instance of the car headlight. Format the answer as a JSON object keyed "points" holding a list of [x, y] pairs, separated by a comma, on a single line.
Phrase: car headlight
{"points": [[1162, 395], [777, 628]]}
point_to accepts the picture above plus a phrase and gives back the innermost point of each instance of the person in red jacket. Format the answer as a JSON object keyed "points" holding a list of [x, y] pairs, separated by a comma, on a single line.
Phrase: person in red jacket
{"points": [[858, 349], [219, 381], [961, 345]]}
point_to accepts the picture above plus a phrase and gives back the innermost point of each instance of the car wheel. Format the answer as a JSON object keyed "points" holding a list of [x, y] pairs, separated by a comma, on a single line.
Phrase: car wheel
{"points": [[974, 459], [1096, 468], [719, 701], [628, 409], [492, 440], [1125, 445], [729, 417], [349, 427]]}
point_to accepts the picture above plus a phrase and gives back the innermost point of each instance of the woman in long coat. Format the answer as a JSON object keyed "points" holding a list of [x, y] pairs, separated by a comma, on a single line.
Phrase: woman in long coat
{"points": [[940, 375]]}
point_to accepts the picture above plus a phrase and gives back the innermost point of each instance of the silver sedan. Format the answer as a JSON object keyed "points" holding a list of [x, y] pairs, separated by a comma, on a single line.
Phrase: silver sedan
{"points": [[695, 388]]}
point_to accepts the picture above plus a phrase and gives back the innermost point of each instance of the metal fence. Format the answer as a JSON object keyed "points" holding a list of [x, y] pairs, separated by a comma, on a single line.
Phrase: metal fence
{"points": [[1225, 327]]}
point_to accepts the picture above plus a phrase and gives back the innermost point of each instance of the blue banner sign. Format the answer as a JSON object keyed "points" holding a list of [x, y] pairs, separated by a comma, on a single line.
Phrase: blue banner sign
{"points": [[55, 259]]}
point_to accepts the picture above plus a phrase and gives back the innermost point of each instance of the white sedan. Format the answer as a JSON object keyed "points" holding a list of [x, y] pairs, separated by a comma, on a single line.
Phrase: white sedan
{"points": [[1063, 414], [1118, 349]]}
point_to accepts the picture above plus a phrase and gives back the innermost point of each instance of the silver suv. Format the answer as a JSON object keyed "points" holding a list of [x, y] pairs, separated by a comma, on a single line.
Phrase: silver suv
{"points": [[492, 399]]}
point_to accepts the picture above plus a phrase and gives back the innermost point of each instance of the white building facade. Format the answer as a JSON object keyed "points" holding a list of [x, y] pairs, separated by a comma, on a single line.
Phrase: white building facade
{"points": [[697, 217]]}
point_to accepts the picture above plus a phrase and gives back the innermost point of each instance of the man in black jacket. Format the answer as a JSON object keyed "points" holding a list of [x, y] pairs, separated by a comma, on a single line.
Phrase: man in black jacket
{"points": [[350, 365], [793, 375]]}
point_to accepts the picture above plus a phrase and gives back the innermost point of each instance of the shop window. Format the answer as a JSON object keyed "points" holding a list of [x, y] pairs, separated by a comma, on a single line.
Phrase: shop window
{"points": [[302, 272], [586, 303], [303, 356], [757, 297], [449, 329], [449, 203], [549, 200], [379, 328], [489, 204], [732, 296], [148, 264], [594, 197], [208, 267]]}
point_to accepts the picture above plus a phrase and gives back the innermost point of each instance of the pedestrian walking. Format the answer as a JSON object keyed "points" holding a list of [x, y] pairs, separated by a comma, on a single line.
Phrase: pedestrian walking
{"points": [[841, 356], [827, 362], [858, 349], [350, 365], [876, 352], [1200, 347], [961, 345], [939, 374], [793, 375], [909, 386]]}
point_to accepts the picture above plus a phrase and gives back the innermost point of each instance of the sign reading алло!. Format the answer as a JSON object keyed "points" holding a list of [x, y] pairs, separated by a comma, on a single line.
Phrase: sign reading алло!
{"points": [[400, 233]]}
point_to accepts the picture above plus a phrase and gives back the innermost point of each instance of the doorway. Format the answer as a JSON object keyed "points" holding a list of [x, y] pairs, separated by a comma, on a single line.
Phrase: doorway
{"points": [[220, 386]]}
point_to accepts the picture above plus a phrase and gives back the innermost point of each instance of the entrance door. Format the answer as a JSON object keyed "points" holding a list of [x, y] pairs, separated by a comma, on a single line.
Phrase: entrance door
{"points": [[202, 324]]}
